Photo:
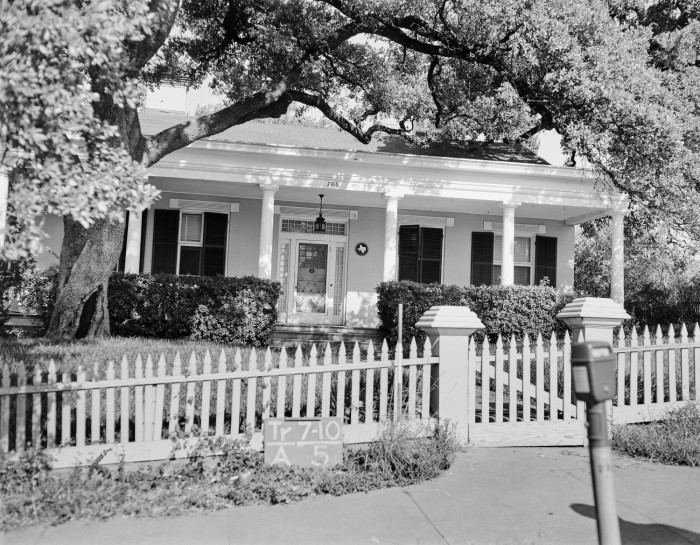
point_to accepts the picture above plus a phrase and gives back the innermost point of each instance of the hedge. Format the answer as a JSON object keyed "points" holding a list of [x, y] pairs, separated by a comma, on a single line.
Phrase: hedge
{"points": [[509, 310], [220, 309]]}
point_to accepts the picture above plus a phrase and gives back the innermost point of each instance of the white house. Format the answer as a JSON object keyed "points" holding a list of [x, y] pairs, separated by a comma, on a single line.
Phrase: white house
{"points": [[245, 202]]}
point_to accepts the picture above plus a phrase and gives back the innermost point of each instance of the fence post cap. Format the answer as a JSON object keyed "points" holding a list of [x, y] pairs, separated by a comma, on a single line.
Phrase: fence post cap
{"points": [[590, 309], [445, 318]]}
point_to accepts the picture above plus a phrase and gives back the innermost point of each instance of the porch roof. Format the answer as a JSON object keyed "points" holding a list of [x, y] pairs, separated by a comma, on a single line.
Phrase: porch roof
{"points": [[476, 180]]}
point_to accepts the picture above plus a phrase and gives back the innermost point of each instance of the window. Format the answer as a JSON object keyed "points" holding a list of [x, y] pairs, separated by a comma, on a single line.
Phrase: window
{"points": [[486, 259], [189, 243], [420, 253], [521, 256]]}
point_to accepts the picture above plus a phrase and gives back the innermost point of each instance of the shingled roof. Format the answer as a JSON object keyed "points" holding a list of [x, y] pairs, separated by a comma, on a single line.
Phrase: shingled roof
{"points": [[331, 138]]}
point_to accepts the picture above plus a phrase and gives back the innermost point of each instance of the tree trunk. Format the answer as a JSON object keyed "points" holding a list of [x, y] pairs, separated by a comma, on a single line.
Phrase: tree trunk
{"points": [[88, 257]]}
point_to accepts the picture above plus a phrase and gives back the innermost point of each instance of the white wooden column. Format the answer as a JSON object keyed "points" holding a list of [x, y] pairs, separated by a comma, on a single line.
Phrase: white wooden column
{"points": [[133, 242], [391, 233], [267, 219], [508, 247], [617, 258], [4, 192]]}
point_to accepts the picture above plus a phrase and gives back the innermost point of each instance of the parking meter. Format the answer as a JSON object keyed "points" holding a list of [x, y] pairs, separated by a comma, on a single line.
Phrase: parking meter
{"points": [[593, 369]]}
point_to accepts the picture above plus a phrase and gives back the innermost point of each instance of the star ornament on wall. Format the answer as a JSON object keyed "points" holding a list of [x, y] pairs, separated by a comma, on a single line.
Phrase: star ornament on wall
{"points": [[361, 249]]}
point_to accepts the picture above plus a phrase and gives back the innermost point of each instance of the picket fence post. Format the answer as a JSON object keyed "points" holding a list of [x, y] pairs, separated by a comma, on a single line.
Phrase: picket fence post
{"points": [[449, 329], [595, 318]]}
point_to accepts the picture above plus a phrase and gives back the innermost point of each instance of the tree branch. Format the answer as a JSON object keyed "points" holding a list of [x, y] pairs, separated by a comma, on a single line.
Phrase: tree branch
{"points": [[433, 70], [260, 105], [364, 136], [164, 13]]}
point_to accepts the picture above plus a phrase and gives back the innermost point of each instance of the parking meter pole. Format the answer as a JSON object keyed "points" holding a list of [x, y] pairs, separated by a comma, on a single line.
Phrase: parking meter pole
{"points": [[601, 472]]}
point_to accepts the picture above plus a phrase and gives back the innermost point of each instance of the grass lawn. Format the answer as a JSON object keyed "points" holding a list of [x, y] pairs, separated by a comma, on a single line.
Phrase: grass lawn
{"points": [[68, 356], [675, 440]]}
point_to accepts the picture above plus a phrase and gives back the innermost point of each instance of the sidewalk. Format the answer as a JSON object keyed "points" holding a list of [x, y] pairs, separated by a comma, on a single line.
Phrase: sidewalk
{"points": [[500, 496]]}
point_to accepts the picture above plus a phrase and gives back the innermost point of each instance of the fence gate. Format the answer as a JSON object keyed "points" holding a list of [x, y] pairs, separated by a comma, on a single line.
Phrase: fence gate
{"points": [[521, 394]]}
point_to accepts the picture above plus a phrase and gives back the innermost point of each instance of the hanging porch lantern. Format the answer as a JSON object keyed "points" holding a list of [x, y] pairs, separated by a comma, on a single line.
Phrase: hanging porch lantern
{"points": [[320, 223]]}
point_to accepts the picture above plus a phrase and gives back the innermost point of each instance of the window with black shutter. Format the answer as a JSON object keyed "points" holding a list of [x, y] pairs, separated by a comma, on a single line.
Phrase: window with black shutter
{"points": [[420, 253], [165, 241], [408, 252], [214, 244], [482, 259], [546, 259], [197, 240]]}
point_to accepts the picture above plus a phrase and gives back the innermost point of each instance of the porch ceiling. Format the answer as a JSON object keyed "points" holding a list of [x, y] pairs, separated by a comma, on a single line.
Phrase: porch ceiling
{"points": [[304, 196]]}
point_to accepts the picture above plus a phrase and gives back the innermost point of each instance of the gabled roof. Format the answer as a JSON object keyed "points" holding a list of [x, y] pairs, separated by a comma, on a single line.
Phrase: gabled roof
{"points": [[330, 138]]}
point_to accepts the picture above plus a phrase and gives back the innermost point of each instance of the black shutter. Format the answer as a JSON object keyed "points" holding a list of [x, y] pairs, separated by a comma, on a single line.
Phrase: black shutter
{"points": [[144, 230], [121, 264], [546, 259], [408, 252], [430, 255], [166, 226], [482, 258], [214, 262]]}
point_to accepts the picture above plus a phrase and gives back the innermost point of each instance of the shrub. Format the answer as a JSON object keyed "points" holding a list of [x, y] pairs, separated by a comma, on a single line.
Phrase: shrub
{"points": [[509, 310], [33, 290], [401, 456], [674, 440], [236, 310]]}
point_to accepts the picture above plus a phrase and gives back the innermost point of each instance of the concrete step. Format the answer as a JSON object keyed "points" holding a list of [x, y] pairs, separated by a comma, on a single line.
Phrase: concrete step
{"points": [[293, 334]]}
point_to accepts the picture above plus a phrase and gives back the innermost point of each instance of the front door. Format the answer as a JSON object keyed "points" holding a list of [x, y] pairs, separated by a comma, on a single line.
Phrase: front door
{"points": [[313, 281], [311, 287]]}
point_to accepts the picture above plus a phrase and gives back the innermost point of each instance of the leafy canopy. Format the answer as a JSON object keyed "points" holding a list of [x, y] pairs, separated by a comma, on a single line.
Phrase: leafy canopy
{"points": [[617, 78], [55, 55]]}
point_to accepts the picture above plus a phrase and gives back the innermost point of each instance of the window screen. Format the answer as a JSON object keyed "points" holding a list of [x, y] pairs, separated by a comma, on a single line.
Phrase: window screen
{"points": [[191, 228]]}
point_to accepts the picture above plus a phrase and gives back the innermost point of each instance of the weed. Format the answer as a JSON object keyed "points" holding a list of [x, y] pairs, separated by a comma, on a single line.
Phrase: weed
{"points": [[33, 494], [674, 440]]}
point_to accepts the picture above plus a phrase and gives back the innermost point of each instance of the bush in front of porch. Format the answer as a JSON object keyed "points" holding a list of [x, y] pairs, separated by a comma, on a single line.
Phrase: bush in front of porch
{"points": [[508, 310], [218, 309]]}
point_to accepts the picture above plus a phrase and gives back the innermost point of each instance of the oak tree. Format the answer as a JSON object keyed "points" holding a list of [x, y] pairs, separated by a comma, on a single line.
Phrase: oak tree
{"points": [[616, 79]]}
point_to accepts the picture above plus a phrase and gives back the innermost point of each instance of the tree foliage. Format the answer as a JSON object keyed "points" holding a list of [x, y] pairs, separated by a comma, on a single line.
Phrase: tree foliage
{"points": [[64, 159], [617, 78], [662, 274]]}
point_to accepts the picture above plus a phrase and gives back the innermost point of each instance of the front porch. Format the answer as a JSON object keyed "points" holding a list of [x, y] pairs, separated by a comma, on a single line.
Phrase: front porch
{"points": [[237, 208]]}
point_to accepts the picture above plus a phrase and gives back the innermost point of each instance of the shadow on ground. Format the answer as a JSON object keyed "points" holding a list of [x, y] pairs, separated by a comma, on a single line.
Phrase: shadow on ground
{"points": [[633, 533]]}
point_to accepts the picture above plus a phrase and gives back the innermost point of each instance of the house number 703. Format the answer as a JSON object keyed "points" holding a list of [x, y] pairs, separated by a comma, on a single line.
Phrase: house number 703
{"points": [[332, 184]]}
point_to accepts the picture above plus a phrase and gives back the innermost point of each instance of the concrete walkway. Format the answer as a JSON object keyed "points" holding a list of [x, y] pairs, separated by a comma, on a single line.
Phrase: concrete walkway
{"points": [[500, 496]]}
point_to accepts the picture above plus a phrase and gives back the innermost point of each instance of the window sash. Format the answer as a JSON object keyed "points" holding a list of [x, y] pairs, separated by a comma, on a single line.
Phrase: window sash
{"points": [[522, 261], [191, 229]]}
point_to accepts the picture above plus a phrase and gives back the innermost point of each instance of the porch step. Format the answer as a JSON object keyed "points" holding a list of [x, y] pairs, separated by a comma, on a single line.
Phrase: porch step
{"points": [[293, 334]]}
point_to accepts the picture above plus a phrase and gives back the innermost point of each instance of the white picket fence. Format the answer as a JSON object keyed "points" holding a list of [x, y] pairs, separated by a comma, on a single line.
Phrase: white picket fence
{"points": [[518, 393], [528, 399], [133, 412], [655, 375]]}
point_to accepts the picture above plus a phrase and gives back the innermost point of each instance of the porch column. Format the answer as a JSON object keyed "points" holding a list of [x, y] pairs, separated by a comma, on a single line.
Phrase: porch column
{"points": [[617, 258], [508, 248], [391, 231], [4, 191], [267, 218], [133, 242]]}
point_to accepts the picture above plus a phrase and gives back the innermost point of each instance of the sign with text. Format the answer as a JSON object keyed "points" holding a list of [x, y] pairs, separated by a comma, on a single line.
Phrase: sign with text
{"points": [[306, 442]]}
